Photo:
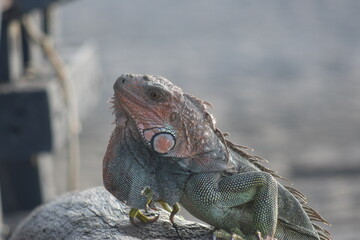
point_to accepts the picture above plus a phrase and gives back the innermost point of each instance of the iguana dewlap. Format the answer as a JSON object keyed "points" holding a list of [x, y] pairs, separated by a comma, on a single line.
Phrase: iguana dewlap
{"points": [[165, 148]]}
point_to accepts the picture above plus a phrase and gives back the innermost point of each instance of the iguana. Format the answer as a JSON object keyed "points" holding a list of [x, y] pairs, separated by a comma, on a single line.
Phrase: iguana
{"points": [[166, 148]]}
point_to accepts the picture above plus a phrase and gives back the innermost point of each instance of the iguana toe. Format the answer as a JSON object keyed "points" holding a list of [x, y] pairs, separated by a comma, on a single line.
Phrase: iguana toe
{"points": [[136, 213], [165, 206], [175, 210]]}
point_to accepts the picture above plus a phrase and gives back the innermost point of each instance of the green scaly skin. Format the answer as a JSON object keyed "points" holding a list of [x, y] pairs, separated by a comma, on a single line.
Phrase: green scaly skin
{"points": [[217, 201], [166, 149]]}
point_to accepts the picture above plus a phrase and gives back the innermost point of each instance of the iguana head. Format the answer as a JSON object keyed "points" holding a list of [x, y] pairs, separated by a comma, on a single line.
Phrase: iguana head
{"points": [[168, 121]]}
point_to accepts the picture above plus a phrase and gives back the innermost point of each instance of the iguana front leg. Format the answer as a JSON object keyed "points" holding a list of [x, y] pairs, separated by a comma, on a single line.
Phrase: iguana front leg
{"points": [[136, 213], [260, 187], [220, 201], [173, 211]]}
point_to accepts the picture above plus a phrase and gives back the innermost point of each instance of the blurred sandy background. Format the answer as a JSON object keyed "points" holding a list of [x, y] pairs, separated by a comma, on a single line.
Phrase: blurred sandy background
{"points": [[283, 77]]}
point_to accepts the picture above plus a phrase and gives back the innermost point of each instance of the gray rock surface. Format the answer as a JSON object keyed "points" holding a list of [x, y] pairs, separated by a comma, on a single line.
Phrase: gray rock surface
{"points": [[96, 214]]}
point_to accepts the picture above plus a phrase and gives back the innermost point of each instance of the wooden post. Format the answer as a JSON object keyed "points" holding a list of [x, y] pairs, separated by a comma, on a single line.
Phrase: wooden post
{"points": [[1, 215], [1, 218], [4, 50]]}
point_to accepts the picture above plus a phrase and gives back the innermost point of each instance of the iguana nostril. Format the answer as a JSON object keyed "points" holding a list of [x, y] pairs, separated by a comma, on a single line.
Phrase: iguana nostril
{"points": [[119, 83], [122, 80]]}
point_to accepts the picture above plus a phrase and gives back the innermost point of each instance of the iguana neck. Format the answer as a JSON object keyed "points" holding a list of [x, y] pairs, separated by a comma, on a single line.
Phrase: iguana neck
{"points": [[129, 164], [208, 151]]}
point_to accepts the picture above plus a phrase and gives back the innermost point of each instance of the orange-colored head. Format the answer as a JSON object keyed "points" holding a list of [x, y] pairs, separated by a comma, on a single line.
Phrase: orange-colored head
{"points": [[168, 121]]}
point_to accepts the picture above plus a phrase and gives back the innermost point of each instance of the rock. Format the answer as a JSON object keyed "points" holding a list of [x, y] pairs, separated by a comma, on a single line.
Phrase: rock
{"points": [[96, 214]]}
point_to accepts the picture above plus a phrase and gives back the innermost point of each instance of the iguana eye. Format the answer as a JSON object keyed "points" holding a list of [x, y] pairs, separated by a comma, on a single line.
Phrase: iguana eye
{"points": [[155, 95]]}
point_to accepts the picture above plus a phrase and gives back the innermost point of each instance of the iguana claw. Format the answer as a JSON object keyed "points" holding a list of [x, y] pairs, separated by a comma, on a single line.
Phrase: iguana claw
{"points": [[175, 210], [136, 213]]}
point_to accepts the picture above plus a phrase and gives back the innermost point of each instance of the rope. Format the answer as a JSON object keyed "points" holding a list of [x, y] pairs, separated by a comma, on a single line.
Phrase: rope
{"points": [[46, 45]]}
